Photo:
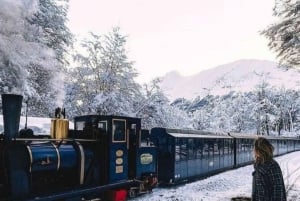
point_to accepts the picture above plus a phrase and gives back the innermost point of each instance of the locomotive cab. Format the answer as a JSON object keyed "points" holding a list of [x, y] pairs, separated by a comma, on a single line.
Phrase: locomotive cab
{"points": [[123, 153], [111, 132]]}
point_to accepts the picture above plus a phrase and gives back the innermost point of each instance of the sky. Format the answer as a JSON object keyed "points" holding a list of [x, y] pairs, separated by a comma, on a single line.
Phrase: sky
{"points": [[187, 36]]}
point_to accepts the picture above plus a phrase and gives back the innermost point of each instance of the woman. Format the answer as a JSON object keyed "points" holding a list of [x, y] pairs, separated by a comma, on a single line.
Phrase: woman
{"points": [[268, 184]]}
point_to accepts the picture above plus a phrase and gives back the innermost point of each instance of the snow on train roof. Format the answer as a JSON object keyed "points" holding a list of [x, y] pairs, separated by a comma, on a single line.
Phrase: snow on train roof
{"points": [[188, 135], [181, 133], [255, 136]]}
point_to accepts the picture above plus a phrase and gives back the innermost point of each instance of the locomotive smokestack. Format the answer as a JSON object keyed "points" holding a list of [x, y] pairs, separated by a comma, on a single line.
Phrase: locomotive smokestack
{"points": [[11, 106]]}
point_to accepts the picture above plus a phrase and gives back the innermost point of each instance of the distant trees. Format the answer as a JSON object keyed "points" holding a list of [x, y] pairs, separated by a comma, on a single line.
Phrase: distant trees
{"points": [[264, 111], [156, 111], [284, 35]]}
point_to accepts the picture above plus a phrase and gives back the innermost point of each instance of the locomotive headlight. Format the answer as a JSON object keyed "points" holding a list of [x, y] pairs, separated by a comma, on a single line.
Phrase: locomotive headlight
{"points": [[146, 158]]}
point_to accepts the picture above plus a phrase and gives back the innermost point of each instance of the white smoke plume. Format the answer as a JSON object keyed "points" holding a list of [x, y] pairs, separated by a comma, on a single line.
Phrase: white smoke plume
{"points": [[17, 47]]}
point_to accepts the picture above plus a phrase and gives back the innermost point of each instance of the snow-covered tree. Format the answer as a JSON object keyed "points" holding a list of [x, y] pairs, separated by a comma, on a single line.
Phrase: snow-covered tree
{"points": [[105, 76], [51, 19], [202, 112], [239, 113], [284, 35], [292, 104], [51, 30], [29, 64], [156, 111], [181, 103], [17, 47]]}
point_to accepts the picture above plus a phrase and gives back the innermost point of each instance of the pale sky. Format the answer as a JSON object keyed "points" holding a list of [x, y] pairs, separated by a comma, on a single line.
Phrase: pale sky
{"points": [[188, 36]]}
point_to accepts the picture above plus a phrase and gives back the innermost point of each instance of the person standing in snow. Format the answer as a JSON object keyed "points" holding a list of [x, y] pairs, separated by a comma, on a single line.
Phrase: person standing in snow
{"points": [[268, 184]]}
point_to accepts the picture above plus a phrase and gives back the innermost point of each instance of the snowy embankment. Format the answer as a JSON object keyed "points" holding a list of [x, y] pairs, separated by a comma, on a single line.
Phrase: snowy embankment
{"points": [[233, 183], [39, 125]]}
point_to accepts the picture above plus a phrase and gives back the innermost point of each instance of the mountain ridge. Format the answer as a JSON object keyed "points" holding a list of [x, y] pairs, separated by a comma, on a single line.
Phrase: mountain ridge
{"points": [[241, 75]]}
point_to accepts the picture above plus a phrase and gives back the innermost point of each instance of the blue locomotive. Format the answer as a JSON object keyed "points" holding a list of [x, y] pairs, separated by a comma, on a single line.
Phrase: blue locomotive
{"points": [[103, 156]]}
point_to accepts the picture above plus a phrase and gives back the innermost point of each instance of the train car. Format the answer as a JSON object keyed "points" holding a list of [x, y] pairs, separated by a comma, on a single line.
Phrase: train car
{"points": [[185, 155], [243, 149], [244, 145], [102, 157]]}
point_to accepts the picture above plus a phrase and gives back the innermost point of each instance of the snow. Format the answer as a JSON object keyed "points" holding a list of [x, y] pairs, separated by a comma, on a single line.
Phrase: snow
{"points": [[232, 183], [40, 126]]}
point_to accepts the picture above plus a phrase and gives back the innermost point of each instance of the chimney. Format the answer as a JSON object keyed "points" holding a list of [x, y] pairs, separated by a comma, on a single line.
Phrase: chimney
{"points": [[11, 106]]}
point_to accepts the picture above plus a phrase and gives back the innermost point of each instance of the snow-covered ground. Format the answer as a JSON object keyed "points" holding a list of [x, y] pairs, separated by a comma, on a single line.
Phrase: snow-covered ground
{"points": [[233, 183]]}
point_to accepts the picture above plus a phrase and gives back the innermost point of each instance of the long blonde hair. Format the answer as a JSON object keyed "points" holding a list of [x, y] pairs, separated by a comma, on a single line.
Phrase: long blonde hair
{"points": [[263, 150]]}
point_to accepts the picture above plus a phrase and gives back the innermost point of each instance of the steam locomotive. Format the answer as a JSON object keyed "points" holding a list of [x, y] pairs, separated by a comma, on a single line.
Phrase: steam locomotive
{"points": [[111, 157], [103, 156]]}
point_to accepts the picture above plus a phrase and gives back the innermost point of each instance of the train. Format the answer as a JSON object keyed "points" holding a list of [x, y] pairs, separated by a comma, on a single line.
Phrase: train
{"points": [[106, 157]]}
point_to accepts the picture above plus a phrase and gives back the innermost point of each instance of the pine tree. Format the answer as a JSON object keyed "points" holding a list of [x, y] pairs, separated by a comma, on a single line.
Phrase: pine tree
{"points": [[284, 35]]}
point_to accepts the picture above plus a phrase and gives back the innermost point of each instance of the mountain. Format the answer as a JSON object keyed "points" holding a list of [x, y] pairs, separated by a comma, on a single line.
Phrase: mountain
{"points": [[241, 75]]}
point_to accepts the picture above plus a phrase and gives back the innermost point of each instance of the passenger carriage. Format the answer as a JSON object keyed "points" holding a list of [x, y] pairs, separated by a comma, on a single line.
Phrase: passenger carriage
{"points": [[186, 155]]}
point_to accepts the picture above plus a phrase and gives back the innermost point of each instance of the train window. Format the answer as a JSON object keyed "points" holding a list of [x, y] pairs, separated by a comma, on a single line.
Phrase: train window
{"points": [[177, 153], [192, 150], [79, 125], [210, 147], [102, 125], [216, 147], [119, 130], [226, 146], [183, 149], [145, 139], [177, 149], [221, 146], [199, 147], [205, 148], [133, 126], [230, 146]]}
